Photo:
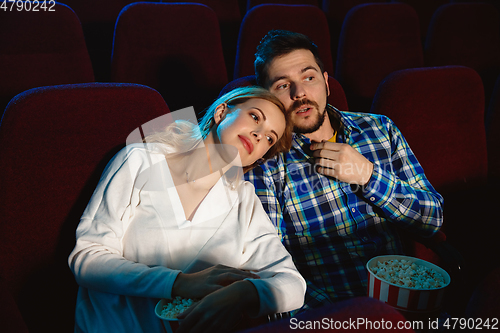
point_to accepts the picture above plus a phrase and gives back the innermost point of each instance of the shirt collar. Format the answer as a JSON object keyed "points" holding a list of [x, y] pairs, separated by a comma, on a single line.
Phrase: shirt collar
{"points": [[301, 142]]}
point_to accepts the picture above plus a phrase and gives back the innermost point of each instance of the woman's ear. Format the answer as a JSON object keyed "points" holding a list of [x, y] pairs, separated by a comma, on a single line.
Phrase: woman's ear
{"points": [[220, 113]]}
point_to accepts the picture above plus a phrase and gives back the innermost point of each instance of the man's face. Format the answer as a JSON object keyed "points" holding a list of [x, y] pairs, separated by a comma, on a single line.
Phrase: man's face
{"points": [[297, 81]]}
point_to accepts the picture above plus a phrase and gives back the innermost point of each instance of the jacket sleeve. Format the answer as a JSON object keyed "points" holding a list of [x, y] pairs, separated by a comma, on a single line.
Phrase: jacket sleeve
{"points": [[97, 260], [281, 287]]}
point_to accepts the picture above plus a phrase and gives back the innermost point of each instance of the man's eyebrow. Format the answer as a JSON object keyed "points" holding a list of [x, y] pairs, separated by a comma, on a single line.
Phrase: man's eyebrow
{"points": [[305, 69]]}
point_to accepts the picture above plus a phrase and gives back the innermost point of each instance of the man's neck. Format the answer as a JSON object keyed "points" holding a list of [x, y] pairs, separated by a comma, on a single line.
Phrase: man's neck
{"points": [[324, 133]]}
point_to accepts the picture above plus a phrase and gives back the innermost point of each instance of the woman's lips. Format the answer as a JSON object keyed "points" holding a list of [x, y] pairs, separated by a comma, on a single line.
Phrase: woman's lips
{"points": [[246, 143]]}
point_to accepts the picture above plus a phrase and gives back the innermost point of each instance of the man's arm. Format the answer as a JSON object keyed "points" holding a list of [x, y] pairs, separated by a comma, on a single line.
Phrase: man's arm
{"points": [[398, 186]]}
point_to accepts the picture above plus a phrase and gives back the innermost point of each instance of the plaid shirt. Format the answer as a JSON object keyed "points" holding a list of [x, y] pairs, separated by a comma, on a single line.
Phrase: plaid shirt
{"points": [[333, 228]]}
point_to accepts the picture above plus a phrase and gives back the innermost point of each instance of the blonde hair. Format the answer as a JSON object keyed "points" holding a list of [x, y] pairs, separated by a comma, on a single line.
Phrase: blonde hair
{"points": [[184, 135]]}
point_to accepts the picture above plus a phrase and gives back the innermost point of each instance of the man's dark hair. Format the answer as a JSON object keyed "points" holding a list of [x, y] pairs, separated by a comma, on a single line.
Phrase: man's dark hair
{"points": [[277, 43]]}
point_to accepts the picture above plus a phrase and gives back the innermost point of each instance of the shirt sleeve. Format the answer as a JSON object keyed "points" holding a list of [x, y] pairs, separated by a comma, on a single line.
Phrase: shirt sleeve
{"points": [[97, 260], [401, 189], [281, 288]]}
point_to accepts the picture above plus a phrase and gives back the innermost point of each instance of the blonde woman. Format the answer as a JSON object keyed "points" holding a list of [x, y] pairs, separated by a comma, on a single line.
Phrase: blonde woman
{"points": [[170, 218]]}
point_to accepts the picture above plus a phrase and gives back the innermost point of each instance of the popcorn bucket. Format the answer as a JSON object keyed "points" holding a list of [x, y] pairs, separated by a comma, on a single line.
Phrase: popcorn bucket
{"points": [[171, 325], [406, 298]]}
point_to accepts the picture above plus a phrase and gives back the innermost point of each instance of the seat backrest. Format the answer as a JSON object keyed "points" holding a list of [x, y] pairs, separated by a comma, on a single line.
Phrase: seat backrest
{"points": [[376, 39], [466, 34], [39, 49], [252, 3], [425, 10], [229, 15], [440, 112], [336, 97], [98, 28], [55, 142], [173, 48], [260, 19]]}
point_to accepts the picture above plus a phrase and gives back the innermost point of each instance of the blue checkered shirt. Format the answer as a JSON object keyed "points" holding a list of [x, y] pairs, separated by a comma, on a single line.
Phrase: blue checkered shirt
{"points": [[332, 228]]}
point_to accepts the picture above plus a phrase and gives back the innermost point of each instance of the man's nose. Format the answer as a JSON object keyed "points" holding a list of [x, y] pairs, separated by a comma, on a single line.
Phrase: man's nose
{"points": [[297, 92]]}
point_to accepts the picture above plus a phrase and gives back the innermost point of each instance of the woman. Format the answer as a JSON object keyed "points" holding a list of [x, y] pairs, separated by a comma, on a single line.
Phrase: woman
{"points": [[170, 218]]}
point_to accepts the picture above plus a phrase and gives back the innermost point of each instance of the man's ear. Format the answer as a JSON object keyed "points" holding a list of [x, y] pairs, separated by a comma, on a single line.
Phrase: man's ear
{"points": [[220, 113], [325, 75]]}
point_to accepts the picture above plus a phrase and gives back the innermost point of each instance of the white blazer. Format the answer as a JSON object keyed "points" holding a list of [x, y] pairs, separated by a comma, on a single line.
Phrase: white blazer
{"points": [[133, 239]]}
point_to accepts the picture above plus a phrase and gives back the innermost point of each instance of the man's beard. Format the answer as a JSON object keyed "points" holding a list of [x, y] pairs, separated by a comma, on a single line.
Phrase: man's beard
{"points": [[320, 117]]}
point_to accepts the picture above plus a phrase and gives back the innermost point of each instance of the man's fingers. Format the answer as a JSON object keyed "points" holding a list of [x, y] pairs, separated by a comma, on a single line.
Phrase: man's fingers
{"points": [[326, 145]]}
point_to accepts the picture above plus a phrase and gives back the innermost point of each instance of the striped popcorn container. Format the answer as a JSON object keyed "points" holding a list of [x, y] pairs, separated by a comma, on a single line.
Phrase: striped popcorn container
{"points": [[406, 298]]}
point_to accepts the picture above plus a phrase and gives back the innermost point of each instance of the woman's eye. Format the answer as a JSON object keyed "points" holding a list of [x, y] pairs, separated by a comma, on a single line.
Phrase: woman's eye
{"points": [[270, 140], [254, 116]]}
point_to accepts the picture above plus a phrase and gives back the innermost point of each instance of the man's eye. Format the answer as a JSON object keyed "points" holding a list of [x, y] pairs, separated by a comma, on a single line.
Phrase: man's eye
{"points": [[310, 78], [282, 86]]}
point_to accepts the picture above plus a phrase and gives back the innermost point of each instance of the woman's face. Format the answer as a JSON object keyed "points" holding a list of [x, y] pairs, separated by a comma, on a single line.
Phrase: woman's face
{"points": [[252, 127]]}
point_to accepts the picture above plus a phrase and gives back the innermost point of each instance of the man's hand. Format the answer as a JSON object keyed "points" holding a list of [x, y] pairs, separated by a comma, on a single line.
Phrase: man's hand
{"points": [[341, 161], [200, 284], [222, 310]]}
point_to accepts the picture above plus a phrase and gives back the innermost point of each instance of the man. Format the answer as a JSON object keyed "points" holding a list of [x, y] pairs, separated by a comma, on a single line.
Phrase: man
{"points": [[348, 184]]}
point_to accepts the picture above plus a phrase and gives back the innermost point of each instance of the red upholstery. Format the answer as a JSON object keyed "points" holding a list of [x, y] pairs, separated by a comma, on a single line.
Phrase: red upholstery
{"points": [[440, 112], [425, 10], [98, 20], [376, 39], [336, 98], [55, 142], [492, 123], [364, 308], [466, 34], [335, 11], [308, 20], [253, 3], [229, 16], [173, 48], [41, 48]]}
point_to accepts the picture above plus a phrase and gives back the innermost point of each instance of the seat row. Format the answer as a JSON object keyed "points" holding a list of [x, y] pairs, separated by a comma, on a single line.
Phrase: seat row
{"points": [[178, 49]]}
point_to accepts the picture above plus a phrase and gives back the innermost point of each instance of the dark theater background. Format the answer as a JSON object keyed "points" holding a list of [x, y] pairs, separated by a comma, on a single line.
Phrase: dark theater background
{"points": [[78, 76]]}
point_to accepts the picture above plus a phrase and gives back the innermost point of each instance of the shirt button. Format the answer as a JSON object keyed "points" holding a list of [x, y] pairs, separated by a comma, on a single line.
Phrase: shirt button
{"points": [[372, 199], [354, 210]]}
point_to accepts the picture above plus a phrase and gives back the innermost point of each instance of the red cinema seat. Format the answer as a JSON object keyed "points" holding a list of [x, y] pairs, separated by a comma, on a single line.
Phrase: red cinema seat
{"points": [[425, 9], [298, 18], [440, 111], [229, 16], [466, 34], [54, 144], [252, 3], [173, 48], [40, 49], [98, 20], [376, 40]]}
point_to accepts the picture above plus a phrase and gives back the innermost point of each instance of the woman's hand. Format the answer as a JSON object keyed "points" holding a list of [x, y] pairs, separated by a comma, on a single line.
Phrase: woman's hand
{"points": [[200, 284], [222, 310]]}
